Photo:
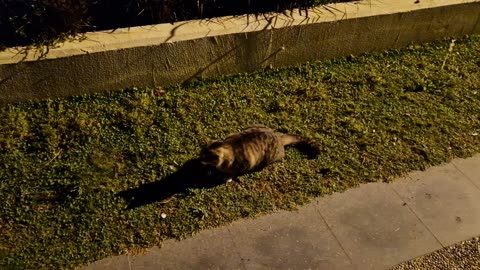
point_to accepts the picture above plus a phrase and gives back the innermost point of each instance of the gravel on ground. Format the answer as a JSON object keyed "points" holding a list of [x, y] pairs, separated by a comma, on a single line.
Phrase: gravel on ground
{"points": [[462, 256]]}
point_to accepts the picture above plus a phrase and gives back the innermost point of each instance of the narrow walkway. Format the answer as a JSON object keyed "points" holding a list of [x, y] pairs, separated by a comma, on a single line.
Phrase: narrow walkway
{"points": [[375, 226]]}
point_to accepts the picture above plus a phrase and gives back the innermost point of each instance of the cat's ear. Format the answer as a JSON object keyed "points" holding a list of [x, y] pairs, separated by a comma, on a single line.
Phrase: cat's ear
{"points": [[209, 142], [213, 144]]}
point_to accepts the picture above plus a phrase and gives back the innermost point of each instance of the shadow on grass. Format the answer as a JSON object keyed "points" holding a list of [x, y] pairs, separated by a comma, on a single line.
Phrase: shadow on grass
{"points": [[192, 175]]}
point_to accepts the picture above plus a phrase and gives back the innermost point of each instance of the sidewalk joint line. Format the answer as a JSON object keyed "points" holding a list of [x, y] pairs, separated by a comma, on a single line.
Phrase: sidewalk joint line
{"points": [[334, 236], [236, 249], [466, 176], [415, 214]]}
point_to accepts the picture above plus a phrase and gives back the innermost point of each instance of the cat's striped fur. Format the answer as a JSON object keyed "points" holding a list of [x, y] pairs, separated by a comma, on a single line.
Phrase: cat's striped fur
{"points": [[251, 150]]}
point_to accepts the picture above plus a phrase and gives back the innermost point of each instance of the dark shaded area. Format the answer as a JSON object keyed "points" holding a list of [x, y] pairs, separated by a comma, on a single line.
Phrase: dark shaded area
{"points": [[308, 148], [43, 22], [192, 175], [62, 193]]}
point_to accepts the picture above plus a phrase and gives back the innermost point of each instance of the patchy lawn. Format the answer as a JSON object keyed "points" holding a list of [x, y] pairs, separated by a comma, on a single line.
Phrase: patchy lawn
{"points": [[63, 161]]}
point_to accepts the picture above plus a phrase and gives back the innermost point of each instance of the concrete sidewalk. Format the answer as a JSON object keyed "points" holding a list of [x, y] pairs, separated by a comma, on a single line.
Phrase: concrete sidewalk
{"points": [[375, 226]]}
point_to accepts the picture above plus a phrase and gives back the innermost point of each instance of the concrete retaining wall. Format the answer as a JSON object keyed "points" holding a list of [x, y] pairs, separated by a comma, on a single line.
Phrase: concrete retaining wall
{"points": [[168, 54]]}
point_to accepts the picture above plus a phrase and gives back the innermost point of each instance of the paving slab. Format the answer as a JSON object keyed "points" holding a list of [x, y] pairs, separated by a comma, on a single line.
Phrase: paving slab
{"points": [[445, 200], [470, 167], [210, 249], [110, 263], [374, 226], [289, 240]]}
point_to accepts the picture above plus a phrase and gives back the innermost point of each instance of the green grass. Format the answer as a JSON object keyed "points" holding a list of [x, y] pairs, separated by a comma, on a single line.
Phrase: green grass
{"points": [[376, 116]]}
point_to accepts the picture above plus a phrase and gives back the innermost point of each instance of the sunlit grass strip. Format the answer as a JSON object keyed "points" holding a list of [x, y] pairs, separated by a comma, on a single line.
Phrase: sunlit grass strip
{"points": [[376, 116]]}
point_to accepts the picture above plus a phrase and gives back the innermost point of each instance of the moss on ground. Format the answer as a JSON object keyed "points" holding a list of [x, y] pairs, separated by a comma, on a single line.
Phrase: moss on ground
{"points": [[376, 116]]}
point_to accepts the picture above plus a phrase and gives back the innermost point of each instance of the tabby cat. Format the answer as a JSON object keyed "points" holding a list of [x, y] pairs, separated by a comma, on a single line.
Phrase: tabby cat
{"points": [[251, 150]]}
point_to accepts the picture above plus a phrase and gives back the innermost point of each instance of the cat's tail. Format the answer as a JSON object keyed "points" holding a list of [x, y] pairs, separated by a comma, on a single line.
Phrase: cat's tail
{"points": [[306, 146]]}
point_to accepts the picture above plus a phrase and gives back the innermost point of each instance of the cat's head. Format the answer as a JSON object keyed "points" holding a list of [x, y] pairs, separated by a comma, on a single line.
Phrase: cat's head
{"points": [[213, 153]]}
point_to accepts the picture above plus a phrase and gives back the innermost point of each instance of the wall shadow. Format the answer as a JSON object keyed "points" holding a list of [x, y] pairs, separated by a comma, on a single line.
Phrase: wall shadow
{"points": [[192, 175]]}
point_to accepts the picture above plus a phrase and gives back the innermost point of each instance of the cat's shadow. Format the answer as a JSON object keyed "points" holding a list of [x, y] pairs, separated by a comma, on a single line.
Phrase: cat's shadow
{"points": [[192, 175]]}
